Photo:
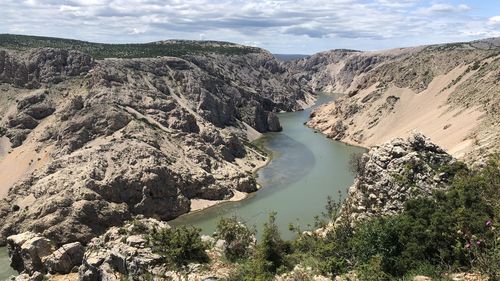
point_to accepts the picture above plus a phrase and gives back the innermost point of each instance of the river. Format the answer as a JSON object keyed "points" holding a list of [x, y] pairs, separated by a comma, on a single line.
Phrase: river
{"points": [[305, 169], [5, 269]]}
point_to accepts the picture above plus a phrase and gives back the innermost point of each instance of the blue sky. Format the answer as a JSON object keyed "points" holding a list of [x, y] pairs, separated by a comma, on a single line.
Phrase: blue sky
{"points": [[281, 26]]}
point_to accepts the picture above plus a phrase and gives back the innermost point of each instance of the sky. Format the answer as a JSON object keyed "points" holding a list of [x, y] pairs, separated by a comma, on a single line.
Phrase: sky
{"points": [[281, 26]]}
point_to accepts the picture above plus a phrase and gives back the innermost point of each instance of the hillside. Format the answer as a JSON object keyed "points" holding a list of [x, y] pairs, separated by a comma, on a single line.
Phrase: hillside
{"points": [[173, 48], [96, 142], [449, 92]]}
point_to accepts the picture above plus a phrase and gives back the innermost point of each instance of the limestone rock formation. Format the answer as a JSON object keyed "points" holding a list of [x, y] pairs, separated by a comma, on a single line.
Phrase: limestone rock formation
{"points": [[99, 141], [125, 252], [121, 252], [448, 91], [28, 251], [44, 65], [391, 174], [64, 259]]}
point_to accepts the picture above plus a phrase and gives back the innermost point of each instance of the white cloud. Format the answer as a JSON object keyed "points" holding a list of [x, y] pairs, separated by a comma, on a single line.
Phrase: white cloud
{"points": [[494, 20], [444, 8], [275, 24]]}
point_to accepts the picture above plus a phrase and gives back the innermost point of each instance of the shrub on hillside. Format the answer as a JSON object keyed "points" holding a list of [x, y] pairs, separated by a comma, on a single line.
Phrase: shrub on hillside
{"points": [[238, 238], [179, 245]]}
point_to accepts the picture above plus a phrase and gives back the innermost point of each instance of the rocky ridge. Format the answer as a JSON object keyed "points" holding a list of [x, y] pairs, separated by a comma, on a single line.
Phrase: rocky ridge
{"points": [[395, 172], [99, 141], [448, 91]]}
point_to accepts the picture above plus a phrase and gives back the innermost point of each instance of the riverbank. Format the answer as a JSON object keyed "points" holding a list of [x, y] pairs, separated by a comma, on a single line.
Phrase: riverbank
{"points": [[257, 144], [305, 168]]}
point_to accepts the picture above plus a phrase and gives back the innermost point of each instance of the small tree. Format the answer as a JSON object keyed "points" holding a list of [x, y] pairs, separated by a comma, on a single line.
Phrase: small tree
{"points": [[271, 249], [179, 246], [238, 238]]}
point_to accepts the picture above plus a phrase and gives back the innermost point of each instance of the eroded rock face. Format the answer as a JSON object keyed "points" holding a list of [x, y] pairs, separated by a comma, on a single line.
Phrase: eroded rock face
{"points": [[28, 251], [126, 252], [395, 172], [32, 68], [125, 137], [30, 111]]}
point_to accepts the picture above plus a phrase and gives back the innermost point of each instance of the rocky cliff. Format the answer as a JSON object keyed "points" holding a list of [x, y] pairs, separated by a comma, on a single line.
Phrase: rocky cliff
{"points": [[88, 143], [395, 172], [449, 92]]}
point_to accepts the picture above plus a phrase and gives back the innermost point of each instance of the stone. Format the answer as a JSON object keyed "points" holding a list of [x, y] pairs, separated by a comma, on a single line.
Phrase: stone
{"points": [[246, 184], [27, 251], [64, 259], [421, 278], [36, 276]]}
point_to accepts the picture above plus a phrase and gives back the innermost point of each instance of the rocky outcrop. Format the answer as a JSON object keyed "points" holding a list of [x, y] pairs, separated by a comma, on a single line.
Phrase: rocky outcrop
{"points": [[38, 66], [125, 252], [395, 172], [30, 111], [116, 138], [122, 252], [448, 91], [28, 251]]}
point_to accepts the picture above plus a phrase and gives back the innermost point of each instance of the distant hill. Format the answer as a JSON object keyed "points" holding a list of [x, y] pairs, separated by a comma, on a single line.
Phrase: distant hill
{"points": [[173, 48], [289, 57]]}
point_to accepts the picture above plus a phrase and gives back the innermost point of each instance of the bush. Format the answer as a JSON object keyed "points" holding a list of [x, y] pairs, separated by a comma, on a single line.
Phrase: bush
{"points": [[269, 258], [452, 230], [238, 238], [179, 246], [372, 270], [442, 230], [271, 249]]}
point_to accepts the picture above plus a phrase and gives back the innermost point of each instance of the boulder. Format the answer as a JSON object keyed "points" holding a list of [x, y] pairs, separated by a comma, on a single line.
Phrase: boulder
{"points": [[64, 259], [246, 184], [121, 251], [27, 251], [36, 276]]}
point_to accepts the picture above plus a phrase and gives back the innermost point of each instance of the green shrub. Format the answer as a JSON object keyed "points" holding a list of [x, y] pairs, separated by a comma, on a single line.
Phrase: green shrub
{"points": [[452, 230], [238, 238], [272, 249], [252, 270], [179, 246], [372, 270], [269, 257]]}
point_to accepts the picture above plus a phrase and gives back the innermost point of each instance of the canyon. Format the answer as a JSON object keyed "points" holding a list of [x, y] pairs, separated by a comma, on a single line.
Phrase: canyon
{"points": [[91, 140]]}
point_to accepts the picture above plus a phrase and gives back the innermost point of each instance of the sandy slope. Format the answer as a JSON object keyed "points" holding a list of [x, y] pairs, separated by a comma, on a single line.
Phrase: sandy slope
{"points": [[427, 112], [18, 163]]}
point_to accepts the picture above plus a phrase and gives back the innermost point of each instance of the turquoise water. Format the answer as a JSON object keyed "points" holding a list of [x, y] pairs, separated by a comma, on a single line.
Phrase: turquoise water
{"points": [[305, 169], [5, 270]]}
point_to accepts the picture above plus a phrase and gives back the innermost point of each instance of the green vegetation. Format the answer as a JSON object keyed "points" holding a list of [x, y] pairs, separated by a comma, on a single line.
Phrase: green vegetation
{"points": [[238, 238], [179, 246], [176, 48], [450, 231], [269, 256]]}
